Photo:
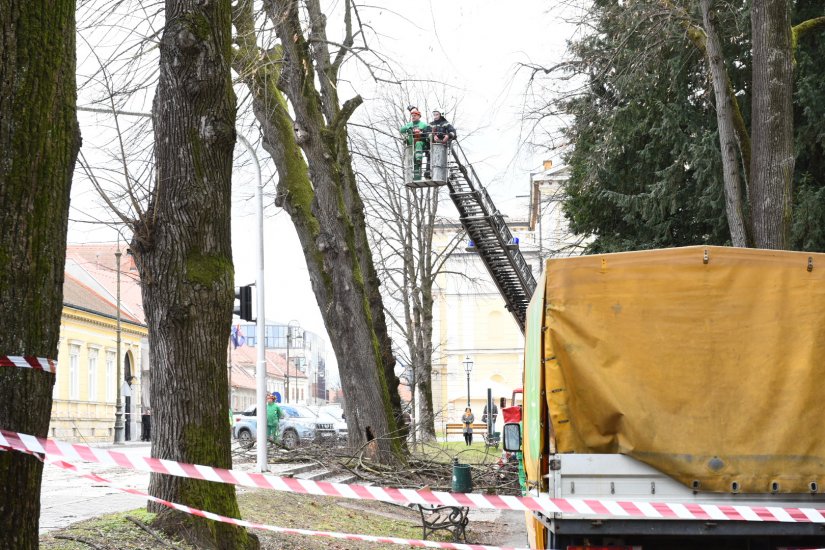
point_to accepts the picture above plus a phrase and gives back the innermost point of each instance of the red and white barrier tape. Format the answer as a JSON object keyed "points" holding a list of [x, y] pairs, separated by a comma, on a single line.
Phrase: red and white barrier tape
{"points": [[29, 362], [289, 531], [587, 507]]}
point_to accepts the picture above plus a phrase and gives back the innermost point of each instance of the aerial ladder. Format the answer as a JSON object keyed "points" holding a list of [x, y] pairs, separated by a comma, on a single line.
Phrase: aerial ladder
{"points": [[488, 233]]}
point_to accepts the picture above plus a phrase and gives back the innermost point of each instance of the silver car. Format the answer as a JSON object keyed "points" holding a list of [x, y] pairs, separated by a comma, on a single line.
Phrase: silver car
{"points": [[298, 426], [323, 414]]}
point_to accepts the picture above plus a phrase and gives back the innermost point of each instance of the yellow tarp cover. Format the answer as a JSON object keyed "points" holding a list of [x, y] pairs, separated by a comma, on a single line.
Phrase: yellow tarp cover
{"points": [[708, 363]]}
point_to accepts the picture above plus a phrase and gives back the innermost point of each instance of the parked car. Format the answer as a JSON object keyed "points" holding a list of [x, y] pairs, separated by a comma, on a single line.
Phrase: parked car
{"points": [[335, 409], [325, 414], [298, 426]]}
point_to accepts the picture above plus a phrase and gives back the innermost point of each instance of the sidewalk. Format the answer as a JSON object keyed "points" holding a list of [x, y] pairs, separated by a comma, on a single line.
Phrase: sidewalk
{"points": [[66, 498], [513, 528], [125, 444]]}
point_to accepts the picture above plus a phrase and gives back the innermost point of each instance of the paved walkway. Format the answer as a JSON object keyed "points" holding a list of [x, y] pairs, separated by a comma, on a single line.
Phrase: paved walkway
{"points": [[511, 523], [66, 498]]}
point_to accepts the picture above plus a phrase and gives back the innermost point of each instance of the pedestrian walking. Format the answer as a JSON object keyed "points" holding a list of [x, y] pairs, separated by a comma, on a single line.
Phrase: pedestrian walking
{"points": [[468, 418]]}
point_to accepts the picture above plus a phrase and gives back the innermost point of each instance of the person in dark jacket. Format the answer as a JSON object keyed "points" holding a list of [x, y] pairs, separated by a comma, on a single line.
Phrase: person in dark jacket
{"points": [[146, 424], [495, 414], [442, 130]]}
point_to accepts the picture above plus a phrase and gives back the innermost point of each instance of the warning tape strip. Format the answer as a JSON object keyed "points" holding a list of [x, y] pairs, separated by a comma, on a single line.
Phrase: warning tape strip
{"points": [[29, 362], [547, 505], [289, 531]]}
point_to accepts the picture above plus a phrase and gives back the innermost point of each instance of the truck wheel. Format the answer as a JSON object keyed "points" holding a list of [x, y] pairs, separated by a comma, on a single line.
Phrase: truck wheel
{"points": [[245, 439], [291, 439]]}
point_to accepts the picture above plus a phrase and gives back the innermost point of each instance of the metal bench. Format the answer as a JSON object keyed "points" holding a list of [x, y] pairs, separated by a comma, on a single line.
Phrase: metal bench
{"points": [[444, 518]]}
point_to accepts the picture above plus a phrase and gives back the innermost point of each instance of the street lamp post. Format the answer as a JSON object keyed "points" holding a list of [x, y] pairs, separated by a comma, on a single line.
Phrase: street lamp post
{"points": [[288, 338], [468, 368], [118, 402], [290, 326]]}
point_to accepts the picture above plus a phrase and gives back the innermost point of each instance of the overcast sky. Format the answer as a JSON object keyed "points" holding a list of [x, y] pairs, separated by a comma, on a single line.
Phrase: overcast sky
{"points": [[473, 47]]}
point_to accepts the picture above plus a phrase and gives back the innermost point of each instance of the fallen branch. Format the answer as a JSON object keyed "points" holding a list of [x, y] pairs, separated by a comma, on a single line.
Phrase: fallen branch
{"points": [[80, 540], [146, 528]]}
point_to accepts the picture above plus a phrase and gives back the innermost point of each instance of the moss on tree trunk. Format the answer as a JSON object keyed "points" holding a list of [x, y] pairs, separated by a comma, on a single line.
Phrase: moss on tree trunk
{"points": [[317, 188], [39, 140], [183, 252]]}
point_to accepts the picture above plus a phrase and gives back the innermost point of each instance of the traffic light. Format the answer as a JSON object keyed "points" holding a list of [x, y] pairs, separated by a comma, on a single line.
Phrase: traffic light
{"points": [[244, 296]]}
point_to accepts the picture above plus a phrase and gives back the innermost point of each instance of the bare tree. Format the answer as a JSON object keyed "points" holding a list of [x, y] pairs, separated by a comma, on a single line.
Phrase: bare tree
{"points": [[295, 95], [401, 222], [726, 111], [39, 140], [182, 248]]}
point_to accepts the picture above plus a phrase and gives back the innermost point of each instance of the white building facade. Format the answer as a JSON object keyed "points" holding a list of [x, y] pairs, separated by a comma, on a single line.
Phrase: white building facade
{"points": [[469, 317]]}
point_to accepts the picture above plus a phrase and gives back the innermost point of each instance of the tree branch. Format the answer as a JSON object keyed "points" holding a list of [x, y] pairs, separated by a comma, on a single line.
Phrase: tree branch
{"points": [[346, 111], [800, 30]]}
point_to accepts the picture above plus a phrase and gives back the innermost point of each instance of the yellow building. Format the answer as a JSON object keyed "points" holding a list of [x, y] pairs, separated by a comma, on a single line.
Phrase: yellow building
{"points": [[470, 321], [85, 391]]}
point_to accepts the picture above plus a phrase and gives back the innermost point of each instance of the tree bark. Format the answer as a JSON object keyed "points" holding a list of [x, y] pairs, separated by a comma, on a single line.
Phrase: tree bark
{"points": [[321, 197], [771, 189], [39, 141], [734, 202], [425, 206], [182, 248]]}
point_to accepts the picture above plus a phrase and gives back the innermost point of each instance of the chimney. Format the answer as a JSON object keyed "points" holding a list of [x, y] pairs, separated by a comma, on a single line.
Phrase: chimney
{"points": [[548, 164]]}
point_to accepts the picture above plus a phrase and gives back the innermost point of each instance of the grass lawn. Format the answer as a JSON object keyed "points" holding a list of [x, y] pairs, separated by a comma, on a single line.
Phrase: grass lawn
{"points": [[115, 532], [442, 451]]}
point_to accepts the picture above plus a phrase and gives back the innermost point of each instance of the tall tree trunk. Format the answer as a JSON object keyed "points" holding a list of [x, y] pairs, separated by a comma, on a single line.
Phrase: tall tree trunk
{"points": [[325, 208], [182, 248], [39, 141], [423, 208], [734, 202], [771, 190]]}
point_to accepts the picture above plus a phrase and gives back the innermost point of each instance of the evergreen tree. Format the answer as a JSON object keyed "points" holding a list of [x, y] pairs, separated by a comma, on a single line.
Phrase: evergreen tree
{"points": [[646, 167], [808, 229]]}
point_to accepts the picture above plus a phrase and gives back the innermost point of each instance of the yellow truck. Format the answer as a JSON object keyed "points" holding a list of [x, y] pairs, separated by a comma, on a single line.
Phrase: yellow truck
{"points": [[685, 375]]}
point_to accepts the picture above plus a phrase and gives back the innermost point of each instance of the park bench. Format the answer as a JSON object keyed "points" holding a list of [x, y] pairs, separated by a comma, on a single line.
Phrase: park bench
{"points": [[444, 518], [458, 428]]}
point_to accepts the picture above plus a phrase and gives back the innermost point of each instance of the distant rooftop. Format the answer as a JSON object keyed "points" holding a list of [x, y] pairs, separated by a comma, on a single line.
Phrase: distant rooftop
{"points": [[95, 267]]}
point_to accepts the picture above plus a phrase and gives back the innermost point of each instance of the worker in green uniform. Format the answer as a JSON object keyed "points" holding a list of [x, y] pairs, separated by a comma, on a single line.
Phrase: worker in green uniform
{"points": [[417, 135], [273, 417]]}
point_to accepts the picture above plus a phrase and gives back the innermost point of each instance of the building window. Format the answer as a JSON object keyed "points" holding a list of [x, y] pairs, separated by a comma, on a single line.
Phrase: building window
{"points": [[92, 374], [110, 377], [249, 333], [74, 371]]}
